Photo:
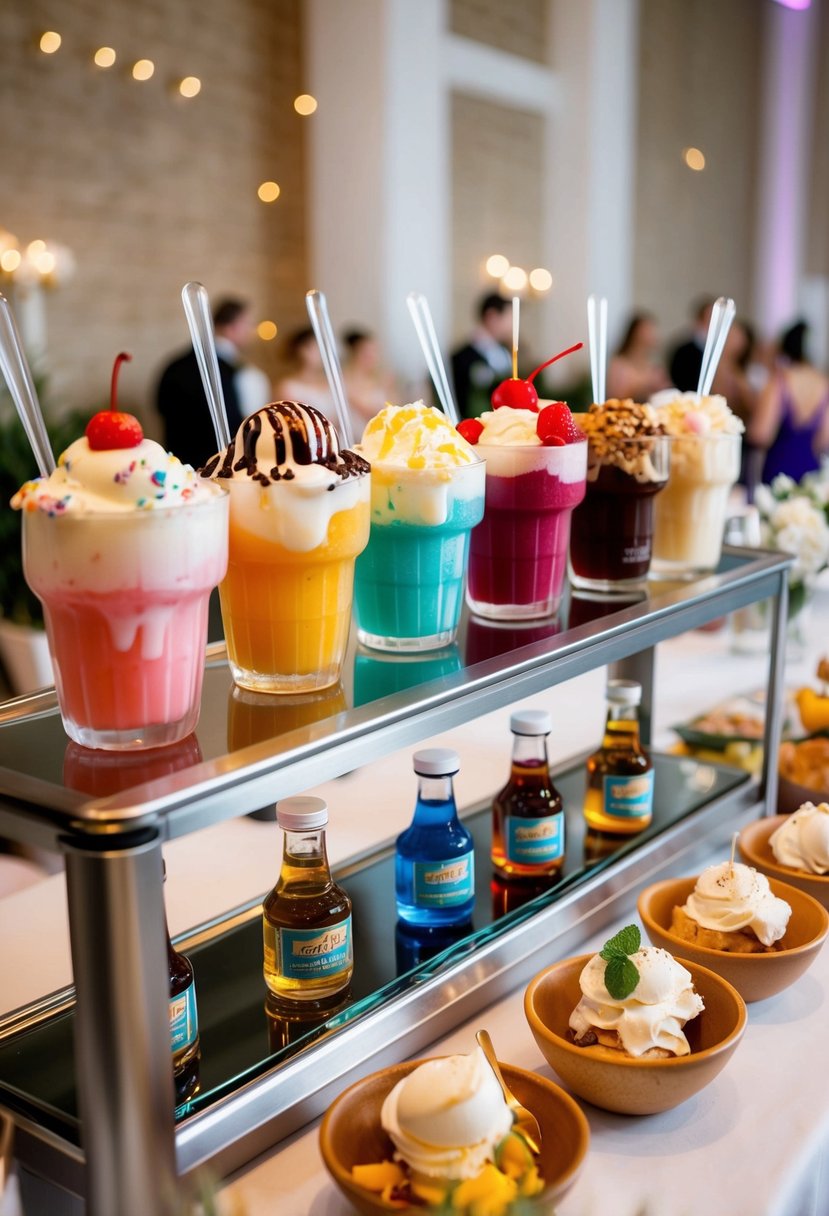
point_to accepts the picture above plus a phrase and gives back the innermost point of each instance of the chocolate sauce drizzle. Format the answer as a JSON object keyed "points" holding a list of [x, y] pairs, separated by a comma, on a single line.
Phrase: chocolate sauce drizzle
{"points": [[292, 440]]}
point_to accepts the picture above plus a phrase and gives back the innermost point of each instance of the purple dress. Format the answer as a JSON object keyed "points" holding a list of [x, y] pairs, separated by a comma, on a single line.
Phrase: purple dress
{"points": [[793, 449]]}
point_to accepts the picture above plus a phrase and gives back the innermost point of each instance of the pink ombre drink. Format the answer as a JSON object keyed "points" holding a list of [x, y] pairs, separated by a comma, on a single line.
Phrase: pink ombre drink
{"points": [[518, 553], [122, 547]]}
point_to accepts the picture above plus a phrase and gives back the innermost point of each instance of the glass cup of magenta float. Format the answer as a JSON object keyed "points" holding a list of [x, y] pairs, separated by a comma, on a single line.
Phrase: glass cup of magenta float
{"points": [[427, 493], [627, 466], [122, 544], [705, 438], [535, 475], [299, 516]]}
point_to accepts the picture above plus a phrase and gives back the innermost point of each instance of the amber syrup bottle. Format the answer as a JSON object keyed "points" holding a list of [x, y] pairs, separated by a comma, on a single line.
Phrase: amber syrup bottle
{"points": [[527, 815], [306, 917], [619, 796], [184, 1018]]}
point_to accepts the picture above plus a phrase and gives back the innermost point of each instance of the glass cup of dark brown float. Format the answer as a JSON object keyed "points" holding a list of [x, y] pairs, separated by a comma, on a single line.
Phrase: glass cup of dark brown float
{"points": [[611, 539]]}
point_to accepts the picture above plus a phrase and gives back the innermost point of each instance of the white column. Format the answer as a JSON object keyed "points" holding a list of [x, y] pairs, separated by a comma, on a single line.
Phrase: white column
{"points": [[591, 159], [790, 41], [379, 180]]}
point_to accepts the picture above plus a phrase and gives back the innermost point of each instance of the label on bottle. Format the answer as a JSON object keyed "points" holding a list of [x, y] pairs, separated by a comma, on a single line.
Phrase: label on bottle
{"points": [[314, 954], [628, 797], [535, 841], [184, 1020], [444, 884]]}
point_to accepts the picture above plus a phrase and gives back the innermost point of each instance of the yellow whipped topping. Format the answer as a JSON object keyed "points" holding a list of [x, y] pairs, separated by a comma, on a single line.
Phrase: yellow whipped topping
{"points": [[414, 436]]}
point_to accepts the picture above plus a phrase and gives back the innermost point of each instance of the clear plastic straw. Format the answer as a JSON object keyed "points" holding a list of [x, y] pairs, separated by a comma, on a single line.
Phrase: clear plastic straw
{"points": [[321, 324], [197, 310], [421, 315], [18, 377], [602, 350], [593, 342], [722, 316], [516, 329]]}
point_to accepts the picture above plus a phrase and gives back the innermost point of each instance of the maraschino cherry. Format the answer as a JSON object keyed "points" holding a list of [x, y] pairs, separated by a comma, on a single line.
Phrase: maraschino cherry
{"points": [[111, 429], [521, 394]]}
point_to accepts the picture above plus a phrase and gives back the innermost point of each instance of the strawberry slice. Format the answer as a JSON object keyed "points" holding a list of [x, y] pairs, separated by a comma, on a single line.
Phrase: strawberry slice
{"points": [[555, 420], [112, 429], [471, 430]]}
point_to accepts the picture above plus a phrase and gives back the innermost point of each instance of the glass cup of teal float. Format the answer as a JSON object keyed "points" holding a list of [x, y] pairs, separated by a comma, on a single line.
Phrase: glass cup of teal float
{"points": [[409, 581]]}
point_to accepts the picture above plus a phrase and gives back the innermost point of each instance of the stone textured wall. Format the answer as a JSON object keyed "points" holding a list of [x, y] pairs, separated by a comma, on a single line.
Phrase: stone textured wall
{"points": [[497, 184], [517, 26], [699, 72], [149, 190]]}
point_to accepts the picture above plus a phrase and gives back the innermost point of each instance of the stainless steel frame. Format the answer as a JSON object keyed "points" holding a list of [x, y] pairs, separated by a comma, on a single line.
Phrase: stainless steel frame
{"points": [[127, 1124]]}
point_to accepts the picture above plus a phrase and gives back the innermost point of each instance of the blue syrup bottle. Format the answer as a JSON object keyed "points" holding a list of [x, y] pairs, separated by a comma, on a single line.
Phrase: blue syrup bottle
{"points": [[435, 862]]}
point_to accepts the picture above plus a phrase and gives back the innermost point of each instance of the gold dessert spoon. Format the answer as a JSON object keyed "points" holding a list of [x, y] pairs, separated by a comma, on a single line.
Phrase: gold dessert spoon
{"points": [[525, 1123]]}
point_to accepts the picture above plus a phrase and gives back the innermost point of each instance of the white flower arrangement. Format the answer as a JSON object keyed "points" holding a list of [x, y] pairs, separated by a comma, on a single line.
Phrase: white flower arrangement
{"points": [[793, 518]]}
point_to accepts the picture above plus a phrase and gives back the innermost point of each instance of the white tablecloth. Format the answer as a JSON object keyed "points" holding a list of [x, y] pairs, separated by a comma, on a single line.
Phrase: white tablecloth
{"points": [[753, 1143]]}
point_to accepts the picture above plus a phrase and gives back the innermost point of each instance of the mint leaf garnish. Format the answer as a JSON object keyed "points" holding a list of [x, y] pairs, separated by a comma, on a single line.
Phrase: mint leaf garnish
{"points": [[620, 977], [627, 941]]}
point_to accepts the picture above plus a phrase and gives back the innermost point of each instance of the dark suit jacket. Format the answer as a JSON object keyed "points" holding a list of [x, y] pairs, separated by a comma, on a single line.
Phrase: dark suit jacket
{"points": [[188, 431], [474, 381], [685, 367]]}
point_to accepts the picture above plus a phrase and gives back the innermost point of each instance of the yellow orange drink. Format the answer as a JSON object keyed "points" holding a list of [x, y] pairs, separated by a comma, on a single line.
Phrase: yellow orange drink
{"points": [[299, 516]]}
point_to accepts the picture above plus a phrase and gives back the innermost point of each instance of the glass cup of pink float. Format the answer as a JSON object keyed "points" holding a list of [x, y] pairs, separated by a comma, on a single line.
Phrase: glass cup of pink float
{"points": [[536, 465], [122, 544]]}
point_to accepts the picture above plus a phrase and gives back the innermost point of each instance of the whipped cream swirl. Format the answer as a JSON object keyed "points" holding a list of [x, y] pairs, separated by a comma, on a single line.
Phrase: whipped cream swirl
{"points": [[652, 1016], [446, 1117], [113, 481], [732, 896], [286, 440], [802, 841], [415, 436]]}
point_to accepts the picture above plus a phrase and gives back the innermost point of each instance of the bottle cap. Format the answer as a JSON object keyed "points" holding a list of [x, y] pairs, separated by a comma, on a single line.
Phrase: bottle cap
{"points": [[624, 692], [531, 722], [436, 762], [302, 814]]}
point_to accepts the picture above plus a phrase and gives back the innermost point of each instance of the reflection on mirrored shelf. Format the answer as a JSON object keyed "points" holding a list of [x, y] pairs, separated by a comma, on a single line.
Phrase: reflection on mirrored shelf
{"points": [[102, 773], [378, 674], [508, 896], [418, 944], [289, 1023], [241, 1038]]}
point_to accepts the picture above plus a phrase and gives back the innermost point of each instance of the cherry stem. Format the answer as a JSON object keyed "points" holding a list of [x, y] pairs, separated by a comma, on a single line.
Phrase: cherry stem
{"points": [[116, 367], [571, 350]]}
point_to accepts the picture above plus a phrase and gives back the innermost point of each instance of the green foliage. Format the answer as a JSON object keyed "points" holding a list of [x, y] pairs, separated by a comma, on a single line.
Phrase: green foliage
{"points": [[621, 976], [17, 465]]}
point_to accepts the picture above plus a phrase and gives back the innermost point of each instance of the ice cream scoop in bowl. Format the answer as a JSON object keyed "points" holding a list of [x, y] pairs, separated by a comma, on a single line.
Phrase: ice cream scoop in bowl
{"points": [[448, 1121], [612, 1078], [756, 976], [777, 861]]}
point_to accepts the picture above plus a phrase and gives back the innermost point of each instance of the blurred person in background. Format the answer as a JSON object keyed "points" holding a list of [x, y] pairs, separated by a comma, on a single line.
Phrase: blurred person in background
{"points": [[791, 420], [685, 362], [180, 398], [486, 359], [368, 386], [734, 382], [636, 370], [305, 380]]}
